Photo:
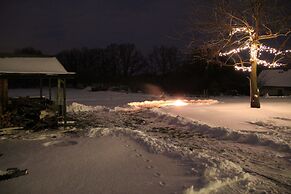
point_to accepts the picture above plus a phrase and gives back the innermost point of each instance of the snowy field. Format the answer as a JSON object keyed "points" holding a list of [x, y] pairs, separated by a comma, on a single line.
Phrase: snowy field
{"points": [[109, 99], [225, 146]]}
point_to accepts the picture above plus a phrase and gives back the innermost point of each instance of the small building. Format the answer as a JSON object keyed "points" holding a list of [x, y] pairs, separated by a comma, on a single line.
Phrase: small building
{"points": [[38, 68], [275, 82]]}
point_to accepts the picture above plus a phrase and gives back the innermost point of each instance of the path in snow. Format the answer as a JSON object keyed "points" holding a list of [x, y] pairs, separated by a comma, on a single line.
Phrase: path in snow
{"points": [[222, 164]]}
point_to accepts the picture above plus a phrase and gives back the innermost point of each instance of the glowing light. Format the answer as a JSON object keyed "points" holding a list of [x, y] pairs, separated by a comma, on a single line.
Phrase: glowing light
{"points": [[180, 103], [234, 51], [270, 65], [273, 50], [162, 103], [254, 52], [241, 30], [243, 68]]}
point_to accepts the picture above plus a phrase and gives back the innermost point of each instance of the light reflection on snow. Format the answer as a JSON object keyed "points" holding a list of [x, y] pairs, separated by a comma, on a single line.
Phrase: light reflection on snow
{"points": [[175, 102]]}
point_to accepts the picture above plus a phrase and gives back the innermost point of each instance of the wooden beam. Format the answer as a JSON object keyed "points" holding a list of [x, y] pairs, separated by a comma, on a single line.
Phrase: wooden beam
{"points": [[3, 95]]}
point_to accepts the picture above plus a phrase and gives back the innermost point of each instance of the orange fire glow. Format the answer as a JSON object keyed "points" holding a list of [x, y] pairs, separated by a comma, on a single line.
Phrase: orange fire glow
{"points": [[179, 103], [176, 102]]}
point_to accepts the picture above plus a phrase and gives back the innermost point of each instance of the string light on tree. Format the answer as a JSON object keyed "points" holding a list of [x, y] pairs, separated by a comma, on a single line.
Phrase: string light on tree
{"points": [[255, 50], [234, 51], [241, 29], [242, 68]]}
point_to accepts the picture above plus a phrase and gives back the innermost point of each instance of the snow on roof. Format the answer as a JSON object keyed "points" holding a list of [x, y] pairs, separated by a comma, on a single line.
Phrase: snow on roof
{"points": [[278, 78], [31, 65]]}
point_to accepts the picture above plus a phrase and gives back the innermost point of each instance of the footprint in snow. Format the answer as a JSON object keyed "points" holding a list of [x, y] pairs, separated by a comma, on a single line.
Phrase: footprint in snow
{"points": [[138, 155], [162, 183], [157, 174], [60, 143], [67, 143]]}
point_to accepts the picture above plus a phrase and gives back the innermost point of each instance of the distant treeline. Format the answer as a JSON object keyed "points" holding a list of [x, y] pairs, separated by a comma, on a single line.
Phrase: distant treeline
{"points": [[123, 65]]}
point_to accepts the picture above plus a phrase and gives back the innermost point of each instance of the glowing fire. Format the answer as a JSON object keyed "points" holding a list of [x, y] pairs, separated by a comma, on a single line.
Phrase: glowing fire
{"points": [[179, 103], [162, 103]]}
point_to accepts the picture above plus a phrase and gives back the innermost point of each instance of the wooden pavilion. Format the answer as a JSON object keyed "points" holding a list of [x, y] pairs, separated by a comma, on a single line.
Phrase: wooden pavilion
{"points": [[39, 68]]}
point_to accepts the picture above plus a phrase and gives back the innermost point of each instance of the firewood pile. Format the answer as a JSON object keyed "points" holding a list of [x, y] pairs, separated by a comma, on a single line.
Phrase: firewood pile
{"points": [[29, 113]]}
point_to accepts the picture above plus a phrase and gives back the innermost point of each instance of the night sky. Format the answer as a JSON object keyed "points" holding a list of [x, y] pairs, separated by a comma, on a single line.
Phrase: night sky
{"points": [[54, 25]]}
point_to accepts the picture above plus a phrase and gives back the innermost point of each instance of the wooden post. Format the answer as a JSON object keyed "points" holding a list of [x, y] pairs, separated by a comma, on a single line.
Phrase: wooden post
{"points": [[3, 95], [40, 88], [50, 89], [61, 100], [64, 104]]}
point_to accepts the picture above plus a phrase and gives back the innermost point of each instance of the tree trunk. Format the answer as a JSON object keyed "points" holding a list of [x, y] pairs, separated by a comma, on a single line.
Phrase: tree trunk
{"points": [[254, 91], [255, 94]]}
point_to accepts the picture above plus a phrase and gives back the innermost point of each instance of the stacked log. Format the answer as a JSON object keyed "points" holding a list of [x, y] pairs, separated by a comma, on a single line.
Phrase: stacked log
{"points": [[29, 113]]}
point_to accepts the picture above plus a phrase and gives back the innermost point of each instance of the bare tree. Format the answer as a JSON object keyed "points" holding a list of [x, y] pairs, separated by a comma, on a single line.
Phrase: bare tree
{"points": [[238, 31], [131, 59], [164, 59]]}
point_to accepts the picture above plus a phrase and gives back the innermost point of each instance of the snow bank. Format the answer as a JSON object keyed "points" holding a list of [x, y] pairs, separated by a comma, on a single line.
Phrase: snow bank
{"points": [[76, 107], [222, 132], [273, 138], [96, 132], [215, 186]]}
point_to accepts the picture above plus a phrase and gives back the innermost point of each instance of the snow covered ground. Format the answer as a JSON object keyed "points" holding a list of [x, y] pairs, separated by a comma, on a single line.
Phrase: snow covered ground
{"points": [[270, 122], [84, 96], [76, 165], [226, 146], [235, 113]]}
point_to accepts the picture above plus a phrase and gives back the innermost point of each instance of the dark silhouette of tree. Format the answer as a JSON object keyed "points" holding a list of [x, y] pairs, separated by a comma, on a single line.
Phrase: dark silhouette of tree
{"points": [[131, 60], [201, 76], [124, 59], [112, 60], [167, 67], [115, 62], [164, 60]]}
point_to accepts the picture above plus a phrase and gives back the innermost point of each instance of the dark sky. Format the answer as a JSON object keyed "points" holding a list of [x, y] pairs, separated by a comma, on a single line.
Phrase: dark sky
{"points": [[53, 25]]}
